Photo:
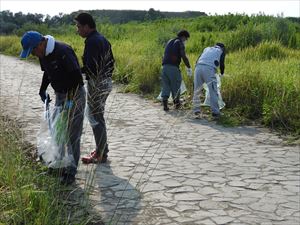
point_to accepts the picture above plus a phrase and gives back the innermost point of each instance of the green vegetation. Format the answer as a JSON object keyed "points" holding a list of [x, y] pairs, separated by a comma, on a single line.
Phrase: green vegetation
{"points": [[14, 22], [266, 86], [27, 194], [262, 65]]}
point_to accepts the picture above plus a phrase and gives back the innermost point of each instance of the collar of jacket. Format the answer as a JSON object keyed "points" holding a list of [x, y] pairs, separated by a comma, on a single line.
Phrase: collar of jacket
{"points": [[91, 34]]}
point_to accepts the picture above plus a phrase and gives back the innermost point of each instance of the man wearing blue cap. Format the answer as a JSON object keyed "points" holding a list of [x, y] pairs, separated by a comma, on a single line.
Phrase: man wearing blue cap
{"points": [[61, 69], [205, 72]]}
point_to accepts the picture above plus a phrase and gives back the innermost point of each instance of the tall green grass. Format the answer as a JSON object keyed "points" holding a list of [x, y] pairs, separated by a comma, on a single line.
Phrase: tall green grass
{"points": [[27, 195], [261, 64], [263, 83]]}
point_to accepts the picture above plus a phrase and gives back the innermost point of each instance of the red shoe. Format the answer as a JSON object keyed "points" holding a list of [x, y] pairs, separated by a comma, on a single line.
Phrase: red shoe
{"points": [[93, 158]]}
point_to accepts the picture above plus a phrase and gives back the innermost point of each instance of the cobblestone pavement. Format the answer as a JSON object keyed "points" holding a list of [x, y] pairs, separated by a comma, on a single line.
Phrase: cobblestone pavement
{"points": [[168, 168]]}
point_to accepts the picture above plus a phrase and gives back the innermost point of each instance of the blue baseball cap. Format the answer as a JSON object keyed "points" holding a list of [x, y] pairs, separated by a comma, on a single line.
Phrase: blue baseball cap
{"points": [[29, 41]]}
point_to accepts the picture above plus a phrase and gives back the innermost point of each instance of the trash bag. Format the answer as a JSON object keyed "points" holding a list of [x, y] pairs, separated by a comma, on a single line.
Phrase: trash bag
{"points": [[52, 140], [207, 96], [182, 90]]}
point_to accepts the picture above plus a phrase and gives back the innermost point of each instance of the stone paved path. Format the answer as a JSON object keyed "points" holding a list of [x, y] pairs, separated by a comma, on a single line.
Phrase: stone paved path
{"points": [[167, 168]]}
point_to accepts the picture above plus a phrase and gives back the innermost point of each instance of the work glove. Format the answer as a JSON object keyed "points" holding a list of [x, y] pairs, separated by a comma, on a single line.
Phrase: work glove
{"points": [[44, 95], [189, 72]]}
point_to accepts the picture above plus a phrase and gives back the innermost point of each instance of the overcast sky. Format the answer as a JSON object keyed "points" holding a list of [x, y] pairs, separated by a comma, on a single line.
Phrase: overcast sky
{"points": [[54, 7]]}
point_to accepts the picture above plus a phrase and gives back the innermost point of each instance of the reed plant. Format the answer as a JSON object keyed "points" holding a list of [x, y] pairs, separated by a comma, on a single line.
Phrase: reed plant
{"points": [[263, 83], [27, 194]]}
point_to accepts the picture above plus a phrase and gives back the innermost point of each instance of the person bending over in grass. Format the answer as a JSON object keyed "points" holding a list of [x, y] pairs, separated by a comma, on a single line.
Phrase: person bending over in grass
{"points": [[205, 72], [171, 75], [98, 65], [61, 69]]}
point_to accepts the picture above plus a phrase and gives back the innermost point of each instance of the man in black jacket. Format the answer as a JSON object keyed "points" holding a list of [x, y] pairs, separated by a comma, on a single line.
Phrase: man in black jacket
{"points": [[171, 76], [62, 71], [98, 65]]}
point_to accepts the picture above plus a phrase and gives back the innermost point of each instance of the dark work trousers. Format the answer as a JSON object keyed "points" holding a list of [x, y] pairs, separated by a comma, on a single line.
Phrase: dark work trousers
{"points": [[97, 93], [171, 80], [75, 116]]}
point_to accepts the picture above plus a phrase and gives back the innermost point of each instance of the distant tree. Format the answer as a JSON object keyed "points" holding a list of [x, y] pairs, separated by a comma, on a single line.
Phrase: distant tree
{"points": [[34, 18], [153, 15], [282, 28], [7, 27], [19, 19], [47, 19], [6, 16]]}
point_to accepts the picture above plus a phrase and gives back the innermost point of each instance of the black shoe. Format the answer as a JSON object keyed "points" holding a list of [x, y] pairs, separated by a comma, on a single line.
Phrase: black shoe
{"points": [[216, 116], [57, 172], [165, 104], [177, 104], [67, 179]]}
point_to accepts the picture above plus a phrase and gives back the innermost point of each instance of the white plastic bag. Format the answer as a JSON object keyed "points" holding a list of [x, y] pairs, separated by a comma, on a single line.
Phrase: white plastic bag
{"points": [[182, 90], [52, 143], [207, 96]]}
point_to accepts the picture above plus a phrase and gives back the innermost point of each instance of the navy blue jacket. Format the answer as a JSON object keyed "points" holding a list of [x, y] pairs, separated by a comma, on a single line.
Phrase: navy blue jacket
{"points": [[98, 59], [61, 69], [172, 55]]}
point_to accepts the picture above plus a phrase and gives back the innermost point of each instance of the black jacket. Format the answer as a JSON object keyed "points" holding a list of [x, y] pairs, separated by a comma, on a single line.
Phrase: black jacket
{"points": [[98, 59], [61, 69], [172, 55]]}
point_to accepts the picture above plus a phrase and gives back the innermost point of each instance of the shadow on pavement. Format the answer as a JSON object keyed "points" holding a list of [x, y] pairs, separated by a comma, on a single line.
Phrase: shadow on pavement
{"points": [[119, 201]]}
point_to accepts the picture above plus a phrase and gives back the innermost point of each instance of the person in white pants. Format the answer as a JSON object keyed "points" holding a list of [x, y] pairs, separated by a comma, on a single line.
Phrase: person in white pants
{"points": [[205, 70]]}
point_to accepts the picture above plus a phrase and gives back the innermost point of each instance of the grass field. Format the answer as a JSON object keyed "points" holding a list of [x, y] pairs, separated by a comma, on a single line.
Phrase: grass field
{"points": [[28, 195], [261, 82]]}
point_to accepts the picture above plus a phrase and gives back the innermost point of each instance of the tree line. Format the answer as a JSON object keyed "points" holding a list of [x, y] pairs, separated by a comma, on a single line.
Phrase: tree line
{"points": [[10, 22]]}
